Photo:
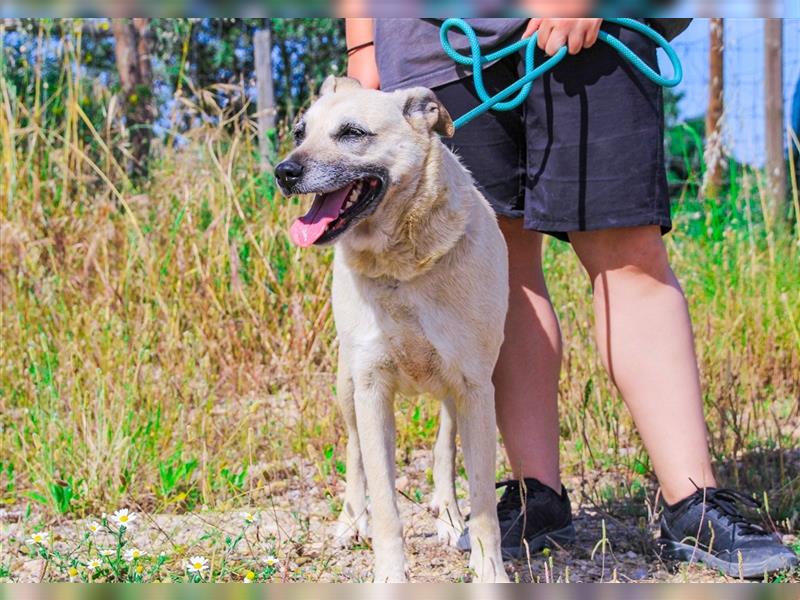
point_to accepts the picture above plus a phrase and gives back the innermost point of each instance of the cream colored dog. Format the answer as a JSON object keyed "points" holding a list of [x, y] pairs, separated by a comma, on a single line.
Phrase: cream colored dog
{"points": [[420, 292]]}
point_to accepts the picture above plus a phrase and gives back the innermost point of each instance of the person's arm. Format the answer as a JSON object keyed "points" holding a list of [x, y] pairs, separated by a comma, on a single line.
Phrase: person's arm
{"points": [[361, 63]]}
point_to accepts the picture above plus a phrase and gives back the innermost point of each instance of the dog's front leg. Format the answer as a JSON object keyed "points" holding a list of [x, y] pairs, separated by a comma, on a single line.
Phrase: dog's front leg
{"points": [[352, 521], [449, 522], [374, 401], [476, 423]]}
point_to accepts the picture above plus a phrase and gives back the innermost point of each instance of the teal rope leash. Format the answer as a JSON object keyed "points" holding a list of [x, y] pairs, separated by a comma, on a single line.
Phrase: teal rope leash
{"points": [[522, 86]]}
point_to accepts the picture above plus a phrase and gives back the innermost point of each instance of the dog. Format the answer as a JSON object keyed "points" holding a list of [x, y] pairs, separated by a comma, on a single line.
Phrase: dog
{"points": [[420, 293]]}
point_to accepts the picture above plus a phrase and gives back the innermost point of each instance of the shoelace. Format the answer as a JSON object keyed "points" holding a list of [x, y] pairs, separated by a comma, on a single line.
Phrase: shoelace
{"points": [[725, 501], [510, 501], [511, 506]]}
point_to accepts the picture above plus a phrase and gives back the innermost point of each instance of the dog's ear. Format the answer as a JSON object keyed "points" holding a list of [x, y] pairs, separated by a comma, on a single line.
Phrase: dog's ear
{"points": [[422, 107], [333, 84]]}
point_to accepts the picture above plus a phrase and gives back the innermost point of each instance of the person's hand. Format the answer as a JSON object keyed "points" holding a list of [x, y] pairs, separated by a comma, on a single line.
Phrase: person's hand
{"points": [[362, 65], [576, 34]]}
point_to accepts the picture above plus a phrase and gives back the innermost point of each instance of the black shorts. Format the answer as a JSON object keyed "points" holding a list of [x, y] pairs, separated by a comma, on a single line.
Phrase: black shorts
{"points": [[584, 152]]}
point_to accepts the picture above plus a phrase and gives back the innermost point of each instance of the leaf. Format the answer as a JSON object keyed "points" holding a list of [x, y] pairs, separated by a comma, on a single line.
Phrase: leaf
{"points": [[36, 496]]}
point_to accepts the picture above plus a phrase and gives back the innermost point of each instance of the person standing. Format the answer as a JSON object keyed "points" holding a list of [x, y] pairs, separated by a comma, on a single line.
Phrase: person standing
{"points": [[581, 160]]}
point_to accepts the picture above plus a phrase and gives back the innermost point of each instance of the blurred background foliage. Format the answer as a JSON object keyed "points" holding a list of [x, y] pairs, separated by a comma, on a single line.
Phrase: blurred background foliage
{"points": [[193, 60], [187, 55]]}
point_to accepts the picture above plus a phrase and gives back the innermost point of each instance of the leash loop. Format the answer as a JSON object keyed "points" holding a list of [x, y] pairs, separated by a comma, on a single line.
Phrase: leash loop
{"points": [[522, 86]]}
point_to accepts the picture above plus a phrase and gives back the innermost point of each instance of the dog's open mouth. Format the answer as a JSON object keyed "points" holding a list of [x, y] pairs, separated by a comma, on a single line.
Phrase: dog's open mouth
{"points": [[333, 212]]}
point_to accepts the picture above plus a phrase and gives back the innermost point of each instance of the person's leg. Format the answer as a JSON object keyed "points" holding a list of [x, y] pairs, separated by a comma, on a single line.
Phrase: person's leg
{"points": [[645, 338], [493, 148], [527, 371]]}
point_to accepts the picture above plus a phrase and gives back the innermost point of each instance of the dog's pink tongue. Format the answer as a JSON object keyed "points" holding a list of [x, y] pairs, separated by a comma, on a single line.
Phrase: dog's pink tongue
{"points": [[309, 228]]}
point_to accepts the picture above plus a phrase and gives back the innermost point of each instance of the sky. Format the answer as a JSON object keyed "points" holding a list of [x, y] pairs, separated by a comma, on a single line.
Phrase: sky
{"points": [[738, 8], [744, 79]]}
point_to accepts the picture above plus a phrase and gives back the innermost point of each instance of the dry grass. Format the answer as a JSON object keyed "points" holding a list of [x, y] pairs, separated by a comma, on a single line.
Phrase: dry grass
{"points": [[165, 347]]}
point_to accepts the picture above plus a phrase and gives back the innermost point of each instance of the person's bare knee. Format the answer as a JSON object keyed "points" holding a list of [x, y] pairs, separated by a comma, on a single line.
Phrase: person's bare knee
{"points": [[529, 300], [524, 246], [639, 251], [524, 259]]}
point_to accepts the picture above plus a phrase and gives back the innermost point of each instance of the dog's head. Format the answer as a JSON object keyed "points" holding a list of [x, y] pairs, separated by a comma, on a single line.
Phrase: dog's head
{"points": [[357, 150]]}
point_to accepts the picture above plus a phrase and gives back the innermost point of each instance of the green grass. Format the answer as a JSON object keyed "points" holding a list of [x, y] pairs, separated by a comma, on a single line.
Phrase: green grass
{"points": [[164, 346]]}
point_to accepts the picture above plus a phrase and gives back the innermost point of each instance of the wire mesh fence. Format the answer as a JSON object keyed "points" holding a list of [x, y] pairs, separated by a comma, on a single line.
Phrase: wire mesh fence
{"points": [[743, 124]]}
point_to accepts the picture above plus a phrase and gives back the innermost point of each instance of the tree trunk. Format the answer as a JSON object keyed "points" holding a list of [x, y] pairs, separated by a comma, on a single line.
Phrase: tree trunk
{"points": [[773, 98], [714, 150], [132, 50], [262, 42]]}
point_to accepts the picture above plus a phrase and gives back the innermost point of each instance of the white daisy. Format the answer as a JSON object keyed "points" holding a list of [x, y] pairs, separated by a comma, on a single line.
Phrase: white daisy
{"points": [[271, 561], [94, 564], [132, 554], [94, 527], [249, 518], [124, 518], [249, 577], [39, 537], [196, 564]]}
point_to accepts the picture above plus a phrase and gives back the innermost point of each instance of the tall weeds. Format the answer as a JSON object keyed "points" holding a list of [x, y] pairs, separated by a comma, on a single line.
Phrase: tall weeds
{"points": [[164, 343]]}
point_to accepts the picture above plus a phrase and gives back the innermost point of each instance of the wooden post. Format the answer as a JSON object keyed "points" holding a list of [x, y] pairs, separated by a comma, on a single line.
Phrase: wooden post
{"points": [[262, 41], [773, 99], [133, 41], [713, 153]]}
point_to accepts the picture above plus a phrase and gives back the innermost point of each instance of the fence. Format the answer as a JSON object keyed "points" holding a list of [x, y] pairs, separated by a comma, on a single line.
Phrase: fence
{"points": [[743, 125]]}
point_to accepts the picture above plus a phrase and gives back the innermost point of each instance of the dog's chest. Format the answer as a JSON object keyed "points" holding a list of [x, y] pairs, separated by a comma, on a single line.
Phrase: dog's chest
{"points": [[418, 360]]}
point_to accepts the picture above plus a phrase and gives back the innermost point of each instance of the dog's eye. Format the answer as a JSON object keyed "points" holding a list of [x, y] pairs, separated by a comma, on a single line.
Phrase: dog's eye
{"points": [[299, 132], [352, 132]]}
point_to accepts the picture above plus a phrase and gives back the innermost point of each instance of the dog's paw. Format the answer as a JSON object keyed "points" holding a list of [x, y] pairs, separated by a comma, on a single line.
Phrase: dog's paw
{"points": [[449, 523], [447, 533], [391, 575], [349, 531], [488, 571], [501, 577]]}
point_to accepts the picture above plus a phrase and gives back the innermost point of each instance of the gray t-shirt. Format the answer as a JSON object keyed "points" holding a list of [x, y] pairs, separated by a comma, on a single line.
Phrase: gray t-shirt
{"points": [[409, 53]]}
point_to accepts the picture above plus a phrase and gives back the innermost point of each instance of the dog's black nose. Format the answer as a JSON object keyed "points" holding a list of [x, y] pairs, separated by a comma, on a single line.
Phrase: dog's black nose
{"points": [[288, 172]]}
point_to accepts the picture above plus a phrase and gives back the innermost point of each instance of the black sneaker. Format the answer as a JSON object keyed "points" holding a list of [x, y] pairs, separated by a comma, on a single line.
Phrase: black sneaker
{"points": [[708, 527], [546, 520]]}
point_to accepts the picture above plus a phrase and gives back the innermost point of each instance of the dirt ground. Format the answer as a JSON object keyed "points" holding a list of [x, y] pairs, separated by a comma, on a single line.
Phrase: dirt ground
{"points": [[296, 523]]}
